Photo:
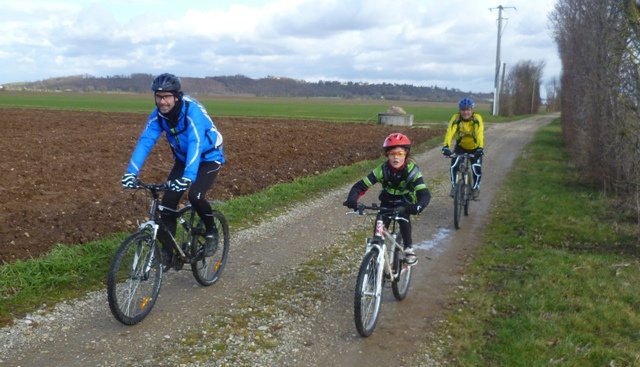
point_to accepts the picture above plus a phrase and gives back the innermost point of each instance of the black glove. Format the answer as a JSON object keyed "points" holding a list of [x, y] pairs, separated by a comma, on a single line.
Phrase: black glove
{"points": [[446, 152], [179, 184], [351, 204], [479, 152], [413, 209], [129, 181]]}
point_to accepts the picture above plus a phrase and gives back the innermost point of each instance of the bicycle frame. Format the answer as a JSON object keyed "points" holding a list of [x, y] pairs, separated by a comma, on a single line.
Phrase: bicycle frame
{"points": [[386, 254], [156, 221], [464, 168], [382, 235]]}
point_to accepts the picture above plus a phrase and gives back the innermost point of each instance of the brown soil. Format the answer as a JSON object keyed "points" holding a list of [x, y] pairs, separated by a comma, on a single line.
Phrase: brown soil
{"points": [[61, 169]]}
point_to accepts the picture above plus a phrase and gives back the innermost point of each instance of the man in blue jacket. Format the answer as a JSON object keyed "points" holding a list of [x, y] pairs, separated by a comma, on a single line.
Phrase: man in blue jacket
{"points": [[197, 150]]}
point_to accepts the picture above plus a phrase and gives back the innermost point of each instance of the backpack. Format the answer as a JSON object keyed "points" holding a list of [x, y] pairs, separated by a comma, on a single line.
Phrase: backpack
{"points": [[476, 122], [473, 117]]}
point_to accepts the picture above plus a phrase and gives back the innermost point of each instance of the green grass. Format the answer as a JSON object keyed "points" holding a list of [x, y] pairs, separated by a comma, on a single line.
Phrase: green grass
{"points": [[64, 273], [557, 281], [288, 108]]}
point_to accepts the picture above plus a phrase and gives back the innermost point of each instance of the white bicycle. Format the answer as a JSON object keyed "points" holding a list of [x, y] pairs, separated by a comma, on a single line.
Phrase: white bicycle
{"points": [[383, 260]]}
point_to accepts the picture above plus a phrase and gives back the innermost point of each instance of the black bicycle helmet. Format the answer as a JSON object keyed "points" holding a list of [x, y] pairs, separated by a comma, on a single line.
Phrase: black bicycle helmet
{"points": [[166, 83]]}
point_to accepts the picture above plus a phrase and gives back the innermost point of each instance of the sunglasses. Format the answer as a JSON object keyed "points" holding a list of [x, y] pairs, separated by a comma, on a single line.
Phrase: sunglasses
{"points": [[399, 153]]}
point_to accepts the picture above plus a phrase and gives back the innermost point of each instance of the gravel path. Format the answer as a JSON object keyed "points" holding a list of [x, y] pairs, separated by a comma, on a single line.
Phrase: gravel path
{"points": [[286, 297]]}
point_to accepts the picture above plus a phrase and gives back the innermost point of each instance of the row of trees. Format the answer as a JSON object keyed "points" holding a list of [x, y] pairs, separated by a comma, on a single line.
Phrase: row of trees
{"points": [[242, 85], [599, 46]]}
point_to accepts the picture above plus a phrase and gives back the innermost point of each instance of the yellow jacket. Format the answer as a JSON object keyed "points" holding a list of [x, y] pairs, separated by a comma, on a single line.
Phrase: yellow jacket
{"points": [[469, 135]]}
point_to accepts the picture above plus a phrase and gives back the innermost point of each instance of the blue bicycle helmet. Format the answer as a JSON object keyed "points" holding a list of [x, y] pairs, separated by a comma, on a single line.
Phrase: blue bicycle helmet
{"points": [[466, 103], [166, 83]]}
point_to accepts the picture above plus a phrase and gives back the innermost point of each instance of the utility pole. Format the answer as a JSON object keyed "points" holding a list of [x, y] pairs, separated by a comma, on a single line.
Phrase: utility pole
{"points": [[496, 84]]}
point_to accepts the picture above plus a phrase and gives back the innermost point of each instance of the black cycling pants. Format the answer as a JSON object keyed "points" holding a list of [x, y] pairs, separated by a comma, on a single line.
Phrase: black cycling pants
{"points": [[207, 173], [476, 167]]}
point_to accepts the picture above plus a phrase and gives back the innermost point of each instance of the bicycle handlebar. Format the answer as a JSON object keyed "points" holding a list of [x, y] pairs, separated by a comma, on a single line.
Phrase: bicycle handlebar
{"points": [[454, 155], [394, 212], [152, 186], [385, 210]]}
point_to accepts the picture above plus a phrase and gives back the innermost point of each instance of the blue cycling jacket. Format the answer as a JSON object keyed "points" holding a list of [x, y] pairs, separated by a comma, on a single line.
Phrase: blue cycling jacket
{"points": [[193, 140]]}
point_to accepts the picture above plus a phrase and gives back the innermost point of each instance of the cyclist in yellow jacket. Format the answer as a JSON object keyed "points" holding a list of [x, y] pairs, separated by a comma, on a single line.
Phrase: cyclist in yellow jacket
{"points": [[467, 127]]}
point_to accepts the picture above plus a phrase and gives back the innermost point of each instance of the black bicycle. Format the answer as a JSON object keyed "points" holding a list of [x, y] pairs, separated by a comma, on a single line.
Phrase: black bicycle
{"points": [[462, 191], [383, 261], [135, 275]]}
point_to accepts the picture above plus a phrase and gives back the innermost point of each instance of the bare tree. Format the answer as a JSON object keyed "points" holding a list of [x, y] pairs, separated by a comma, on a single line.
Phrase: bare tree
{"points": [[521, 91], [599, 49], [553, 95]]}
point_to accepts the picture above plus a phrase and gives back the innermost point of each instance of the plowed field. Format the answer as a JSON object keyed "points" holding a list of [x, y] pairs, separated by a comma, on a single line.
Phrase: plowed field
{"points": [[61, 170]]}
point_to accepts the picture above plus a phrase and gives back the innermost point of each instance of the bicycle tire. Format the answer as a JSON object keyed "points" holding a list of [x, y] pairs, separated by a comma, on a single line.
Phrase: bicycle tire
{"points": [[400, 286], [134, 279], [366, 302], [467, 199], [458, 203], [207, 270]]}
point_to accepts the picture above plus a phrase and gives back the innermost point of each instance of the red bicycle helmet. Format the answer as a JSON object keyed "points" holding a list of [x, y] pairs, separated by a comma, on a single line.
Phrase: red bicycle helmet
{"points": [[396, 140]]}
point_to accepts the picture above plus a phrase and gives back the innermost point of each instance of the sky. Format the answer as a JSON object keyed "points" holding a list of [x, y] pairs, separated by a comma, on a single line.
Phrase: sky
{"points": [[444, 43]]}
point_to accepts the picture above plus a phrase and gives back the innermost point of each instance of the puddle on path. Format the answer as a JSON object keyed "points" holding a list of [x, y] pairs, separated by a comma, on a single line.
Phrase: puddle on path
{"points": [[435, 242]]}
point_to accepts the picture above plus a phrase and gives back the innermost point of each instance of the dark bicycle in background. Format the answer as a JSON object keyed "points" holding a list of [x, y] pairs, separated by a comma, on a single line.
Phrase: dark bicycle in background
{"points": [[463, 187], [135, 274]]}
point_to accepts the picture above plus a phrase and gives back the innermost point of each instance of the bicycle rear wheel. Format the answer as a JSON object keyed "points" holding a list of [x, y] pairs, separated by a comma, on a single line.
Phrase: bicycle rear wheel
{"points": [[207, 269], [367, 299], [134, 279], [458, 202], [400, 286]]}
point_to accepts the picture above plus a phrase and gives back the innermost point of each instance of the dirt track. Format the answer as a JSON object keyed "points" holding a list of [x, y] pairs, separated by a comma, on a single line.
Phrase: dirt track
{"points": [[61, 169], [96, 338]]}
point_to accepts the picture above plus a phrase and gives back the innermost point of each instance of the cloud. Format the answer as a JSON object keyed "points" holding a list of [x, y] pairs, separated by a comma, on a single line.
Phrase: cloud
{"points": [[450, 44]]}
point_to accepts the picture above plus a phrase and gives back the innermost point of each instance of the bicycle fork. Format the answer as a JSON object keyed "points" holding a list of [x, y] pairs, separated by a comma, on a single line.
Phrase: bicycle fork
{"points": [[153, 228], [377, 292]]}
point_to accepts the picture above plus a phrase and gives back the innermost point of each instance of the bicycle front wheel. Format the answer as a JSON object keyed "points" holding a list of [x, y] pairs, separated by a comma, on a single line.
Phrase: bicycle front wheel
{"points": [[458, 203], [367, 298], [207, 269], [134, 279], [400, 285], [467, 198]]}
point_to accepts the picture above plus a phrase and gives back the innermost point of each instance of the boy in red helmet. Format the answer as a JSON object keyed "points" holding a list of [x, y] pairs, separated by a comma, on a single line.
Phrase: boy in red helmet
{"points": [[402, 185]]}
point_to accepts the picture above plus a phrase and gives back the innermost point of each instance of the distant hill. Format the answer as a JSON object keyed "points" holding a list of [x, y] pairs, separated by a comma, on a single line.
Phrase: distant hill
{"points": [[242, 85]]}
